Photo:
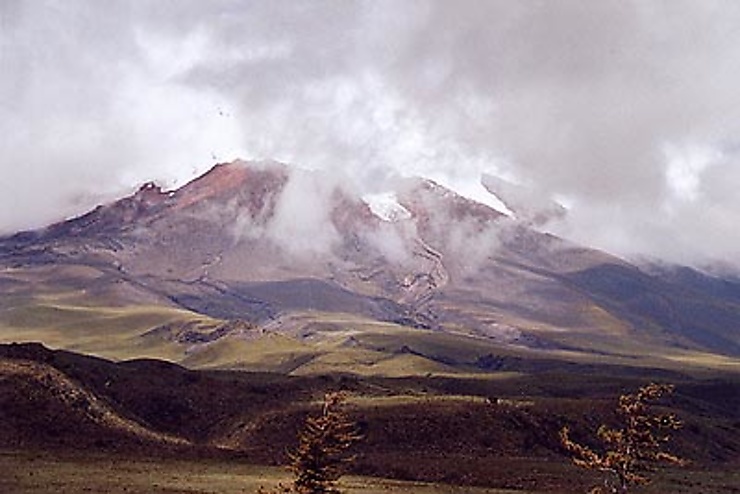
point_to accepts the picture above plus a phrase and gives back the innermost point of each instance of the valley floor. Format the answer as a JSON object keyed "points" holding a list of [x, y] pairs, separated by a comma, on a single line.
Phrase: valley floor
{"points": [[67, 473], [27, 473]]}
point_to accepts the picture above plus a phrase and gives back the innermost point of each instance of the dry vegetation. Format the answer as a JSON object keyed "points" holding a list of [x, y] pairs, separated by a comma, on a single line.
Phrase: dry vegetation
{"points": [[80, 473], [630, 450], [498, 431]]}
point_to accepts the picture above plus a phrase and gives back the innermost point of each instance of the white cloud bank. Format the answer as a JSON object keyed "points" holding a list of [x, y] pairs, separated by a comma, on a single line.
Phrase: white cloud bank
{"points": [[628, 109]]}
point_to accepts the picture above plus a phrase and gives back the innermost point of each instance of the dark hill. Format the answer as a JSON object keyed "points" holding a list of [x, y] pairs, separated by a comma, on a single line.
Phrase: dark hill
{"points": [[441, 429]]}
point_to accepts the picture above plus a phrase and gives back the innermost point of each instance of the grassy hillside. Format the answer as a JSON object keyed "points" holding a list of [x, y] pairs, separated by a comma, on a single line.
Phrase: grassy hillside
{"points": [[317, 342]]}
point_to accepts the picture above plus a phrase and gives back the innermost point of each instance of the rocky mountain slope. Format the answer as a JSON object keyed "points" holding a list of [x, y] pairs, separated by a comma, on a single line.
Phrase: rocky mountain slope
{"points": [[254, 258]]}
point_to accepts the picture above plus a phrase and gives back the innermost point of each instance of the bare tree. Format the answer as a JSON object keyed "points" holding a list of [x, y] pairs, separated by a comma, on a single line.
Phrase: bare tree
{"points": [[629, 451]]}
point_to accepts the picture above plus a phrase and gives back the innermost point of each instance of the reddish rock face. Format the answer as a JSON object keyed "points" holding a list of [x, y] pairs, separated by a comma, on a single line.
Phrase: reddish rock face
{"points": [[249, 187]]}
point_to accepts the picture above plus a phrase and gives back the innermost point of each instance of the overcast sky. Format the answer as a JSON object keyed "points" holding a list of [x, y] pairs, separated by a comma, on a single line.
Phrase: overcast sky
{"points": [[627, 112]]}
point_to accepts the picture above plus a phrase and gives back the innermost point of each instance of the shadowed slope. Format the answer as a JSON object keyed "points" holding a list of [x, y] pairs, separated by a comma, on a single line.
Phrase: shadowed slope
{"points": [[500, 430], [41, 405]]}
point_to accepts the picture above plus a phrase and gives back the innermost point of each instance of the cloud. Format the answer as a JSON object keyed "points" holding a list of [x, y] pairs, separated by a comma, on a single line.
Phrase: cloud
{"points": [[87, 113], [302, 223], [628, 109]]}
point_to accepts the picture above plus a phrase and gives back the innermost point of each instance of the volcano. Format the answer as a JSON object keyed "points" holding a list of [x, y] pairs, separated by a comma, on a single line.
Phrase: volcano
{"points": [[262, 266]]}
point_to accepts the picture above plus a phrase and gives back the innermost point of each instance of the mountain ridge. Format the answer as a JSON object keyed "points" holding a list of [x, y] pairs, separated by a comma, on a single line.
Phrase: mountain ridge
{"points": [[262, 242]]}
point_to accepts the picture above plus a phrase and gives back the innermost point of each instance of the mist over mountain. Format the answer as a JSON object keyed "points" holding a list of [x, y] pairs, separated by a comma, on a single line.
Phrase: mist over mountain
{"points": [[253, 250], [626, 112]]}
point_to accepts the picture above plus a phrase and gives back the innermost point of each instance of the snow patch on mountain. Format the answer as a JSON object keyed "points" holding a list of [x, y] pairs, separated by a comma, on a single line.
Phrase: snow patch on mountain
{"points": [[530, 206], [385, 206]]}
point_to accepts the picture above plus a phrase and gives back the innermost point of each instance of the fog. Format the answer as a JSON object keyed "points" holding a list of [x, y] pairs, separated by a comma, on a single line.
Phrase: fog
{"points": [[625, 112]]}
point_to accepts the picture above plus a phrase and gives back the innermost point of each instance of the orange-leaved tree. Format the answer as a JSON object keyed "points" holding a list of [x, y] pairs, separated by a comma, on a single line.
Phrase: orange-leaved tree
{"points": [[630, 450], [322, 455]]}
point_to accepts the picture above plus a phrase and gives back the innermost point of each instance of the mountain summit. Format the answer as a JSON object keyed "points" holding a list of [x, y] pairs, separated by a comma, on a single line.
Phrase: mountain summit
{"points": [[250, 252]]}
